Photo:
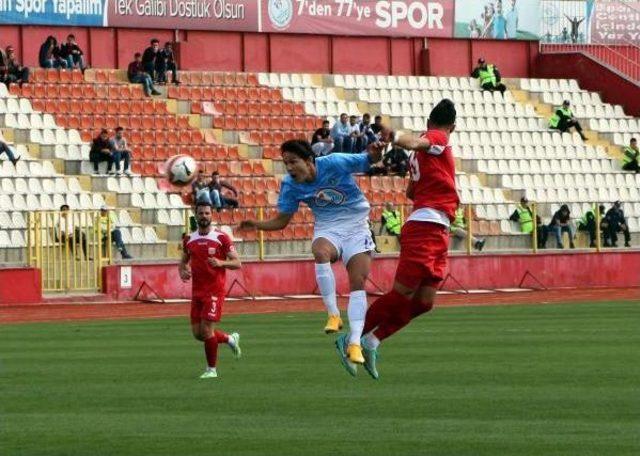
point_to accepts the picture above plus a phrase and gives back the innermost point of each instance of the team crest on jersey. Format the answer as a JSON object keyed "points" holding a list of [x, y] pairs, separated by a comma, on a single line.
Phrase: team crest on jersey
{"points": [[326, 196], [212, 251]]}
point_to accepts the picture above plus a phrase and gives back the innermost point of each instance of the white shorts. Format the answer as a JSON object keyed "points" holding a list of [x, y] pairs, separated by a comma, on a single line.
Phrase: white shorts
{"points": [[350, 244]]}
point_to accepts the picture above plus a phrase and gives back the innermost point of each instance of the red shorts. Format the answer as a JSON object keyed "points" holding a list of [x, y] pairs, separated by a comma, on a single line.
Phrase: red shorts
{"points": [[424, 249], [207, 307]]}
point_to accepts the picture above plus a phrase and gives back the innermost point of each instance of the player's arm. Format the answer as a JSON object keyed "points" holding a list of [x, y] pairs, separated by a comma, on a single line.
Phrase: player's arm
{"points": [[232, 261], [183, 266], [411, 142], [277, 223], [410, 190]]}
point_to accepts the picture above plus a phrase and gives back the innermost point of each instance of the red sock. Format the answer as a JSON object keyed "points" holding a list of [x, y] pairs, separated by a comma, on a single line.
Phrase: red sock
{"points": [[401, 318], [384, 309], [211, 350], [221, 337]]}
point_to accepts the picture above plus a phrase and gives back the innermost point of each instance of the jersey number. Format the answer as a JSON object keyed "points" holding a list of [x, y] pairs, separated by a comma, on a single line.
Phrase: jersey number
{"points": [[414, 167]]}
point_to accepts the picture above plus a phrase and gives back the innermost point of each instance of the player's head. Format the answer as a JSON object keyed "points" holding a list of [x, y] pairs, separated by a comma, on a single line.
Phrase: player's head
{"points": [[443, 116], [299, 160], [203, 214]]}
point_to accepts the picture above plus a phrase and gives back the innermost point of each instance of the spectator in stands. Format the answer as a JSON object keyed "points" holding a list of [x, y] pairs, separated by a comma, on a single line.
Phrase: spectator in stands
{"points": [[166, 61], [575, 26], [588, 223], [357, 137], [108, 220], [120, 150], [564, 36], [137, 75], [561, 223], [563, 120], [616, 223], [630, 156], [523, 214], [458, 230], [69, 233], [396, 161], [72, 54], [322, 142], [377, 126], [200, 188], [365, 129], [489, 77], [49, 55], [149, 59], [101, 151], [341, 134], [5, 149], [391, 221], [10, 69], [218, 198]]}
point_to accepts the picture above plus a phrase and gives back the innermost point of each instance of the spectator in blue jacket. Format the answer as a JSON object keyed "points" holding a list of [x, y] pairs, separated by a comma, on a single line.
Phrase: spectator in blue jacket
{"points": [[341, 134]]}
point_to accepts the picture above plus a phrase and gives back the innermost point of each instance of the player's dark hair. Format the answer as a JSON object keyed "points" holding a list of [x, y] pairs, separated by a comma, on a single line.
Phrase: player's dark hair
{"points": [[298, 147], [203, 203], [443, 114]]}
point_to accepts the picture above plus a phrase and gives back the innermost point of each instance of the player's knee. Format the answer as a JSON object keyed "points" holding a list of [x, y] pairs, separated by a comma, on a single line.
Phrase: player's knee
{"points": [[322, 255]]}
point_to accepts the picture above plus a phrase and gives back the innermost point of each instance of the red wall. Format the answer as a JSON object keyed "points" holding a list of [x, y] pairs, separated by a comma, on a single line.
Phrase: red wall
{"points": [[553, 270], [20, 286], [593, 76], [236, 51]]}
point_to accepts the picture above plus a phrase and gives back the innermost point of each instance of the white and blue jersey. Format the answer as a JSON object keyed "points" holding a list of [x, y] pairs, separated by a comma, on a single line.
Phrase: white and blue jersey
{"points": [[337, 203]]}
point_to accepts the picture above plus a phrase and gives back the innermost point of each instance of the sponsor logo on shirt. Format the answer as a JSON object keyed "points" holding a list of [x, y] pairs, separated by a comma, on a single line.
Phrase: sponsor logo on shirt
{"points": [[212, 251], [326, 196]]}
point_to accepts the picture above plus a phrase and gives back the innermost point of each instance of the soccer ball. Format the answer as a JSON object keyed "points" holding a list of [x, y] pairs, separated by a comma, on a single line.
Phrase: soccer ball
{"points": [[181, 170]]}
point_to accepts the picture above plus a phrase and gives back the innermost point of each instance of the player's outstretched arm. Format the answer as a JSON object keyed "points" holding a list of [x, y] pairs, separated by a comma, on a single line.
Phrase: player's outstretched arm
{"points": [[277, 223], [183, 268], [411, 142]]}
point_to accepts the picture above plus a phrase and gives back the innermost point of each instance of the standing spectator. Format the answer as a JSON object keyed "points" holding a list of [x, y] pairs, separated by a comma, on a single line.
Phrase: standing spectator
{"points": [[512, 22], [458, 230], [563, 119], [200, 189], [72, 54], [5, 149], [564, 35], [489, 77], [137, 75], [69, 233], [617, 223], [575, 26], [377, 126], [101, 151], [10, 69], [524, 216], [166, 61], [341, 134], [630, 156], [390, 220], [121, 151], [108, 220], [49, 55], [588, 223], [561, 223], [149, 58], [396, 161], [322, 142], [218, 199], [357, 137]]}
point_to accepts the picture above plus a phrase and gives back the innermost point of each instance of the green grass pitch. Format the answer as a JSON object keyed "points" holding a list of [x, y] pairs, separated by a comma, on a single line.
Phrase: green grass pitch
{"points": [[514, 380]]}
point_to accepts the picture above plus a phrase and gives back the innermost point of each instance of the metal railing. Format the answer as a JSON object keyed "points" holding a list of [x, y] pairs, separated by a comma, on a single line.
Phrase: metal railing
{"points": [[70, 248]]}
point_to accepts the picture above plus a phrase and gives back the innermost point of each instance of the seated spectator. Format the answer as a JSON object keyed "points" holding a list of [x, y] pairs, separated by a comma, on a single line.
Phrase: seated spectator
{"points": [[377, 126], [149, 58], [49, 55], [561, 223], [137, 75], [630, 156], [524, 216], [588, 223], [366, 130], [108, 220], [322, 142], [70, 234], [101, 151], [616, 223], [166, 61], [341, 134], [358, 141], [458, 230], [120, 150], [390, 221], [396, 161], [72, 54], [10, 69], [563, 120], [218, 199], [200, 188], [5, 149], [489, 77]]}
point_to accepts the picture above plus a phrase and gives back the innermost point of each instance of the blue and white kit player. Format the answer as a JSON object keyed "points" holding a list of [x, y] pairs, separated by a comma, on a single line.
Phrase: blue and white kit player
{"points": [[341, 230]]}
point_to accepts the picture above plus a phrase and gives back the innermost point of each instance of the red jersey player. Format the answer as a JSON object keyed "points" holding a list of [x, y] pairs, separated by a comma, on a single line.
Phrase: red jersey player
{"points": [[424, 240], [206, 256]]}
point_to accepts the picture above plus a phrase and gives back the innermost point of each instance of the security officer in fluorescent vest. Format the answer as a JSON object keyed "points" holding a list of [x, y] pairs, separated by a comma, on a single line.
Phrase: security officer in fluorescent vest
{"points": [[588, 223], [390, 220], [563, 119], [458, 230], [630, 156], [524, 216], [489, 77]]}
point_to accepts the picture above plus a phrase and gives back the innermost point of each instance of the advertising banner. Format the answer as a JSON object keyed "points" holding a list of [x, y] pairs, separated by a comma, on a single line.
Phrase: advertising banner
{"points": [[53, 12], [410, 18], [616, 22], [497, 20]]}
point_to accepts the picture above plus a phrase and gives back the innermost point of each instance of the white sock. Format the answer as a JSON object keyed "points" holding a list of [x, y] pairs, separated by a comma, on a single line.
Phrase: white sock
{"points": [[232, 341], [327, 285], [356, 311], [211, 369], [371, 341]]}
